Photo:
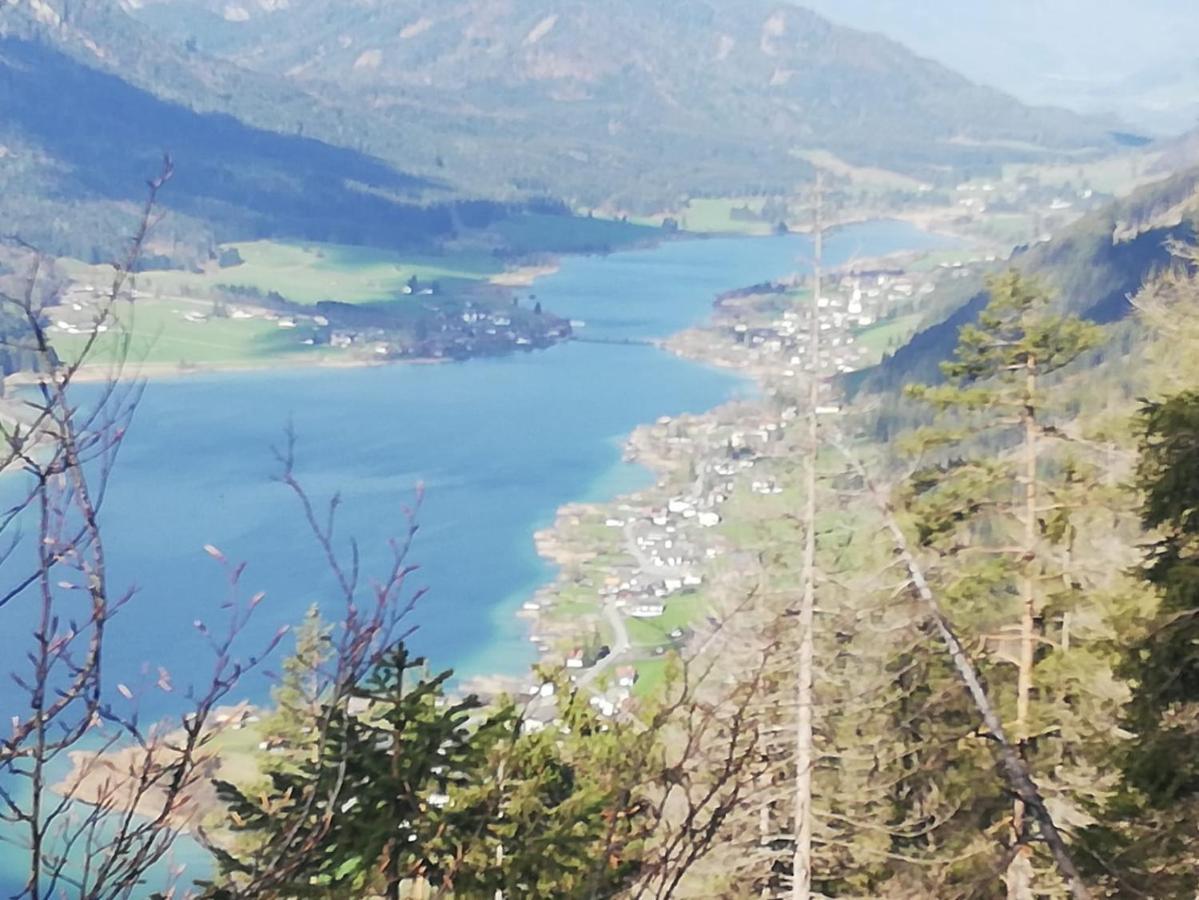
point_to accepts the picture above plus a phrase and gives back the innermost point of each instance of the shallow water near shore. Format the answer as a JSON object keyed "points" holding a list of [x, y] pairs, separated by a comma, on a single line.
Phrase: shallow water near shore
{"points": [[499, 445]]}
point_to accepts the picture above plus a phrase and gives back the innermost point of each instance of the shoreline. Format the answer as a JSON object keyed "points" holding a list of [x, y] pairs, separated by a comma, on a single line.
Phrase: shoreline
{"points": [[525, 276], [100, 373], [519, 276], [640, 447], [605, 554], [710, 343]]}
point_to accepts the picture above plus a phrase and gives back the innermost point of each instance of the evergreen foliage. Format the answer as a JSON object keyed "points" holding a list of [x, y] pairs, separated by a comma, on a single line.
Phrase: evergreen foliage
{"points": [[1145, 845]]}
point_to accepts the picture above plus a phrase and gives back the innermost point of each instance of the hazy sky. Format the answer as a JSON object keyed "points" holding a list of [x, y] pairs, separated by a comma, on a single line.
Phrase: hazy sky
{"points": [[1048, 51]]}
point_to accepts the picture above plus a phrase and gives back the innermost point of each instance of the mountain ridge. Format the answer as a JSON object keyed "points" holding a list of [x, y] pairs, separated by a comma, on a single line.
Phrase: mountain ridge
{"points": [[628, 104], [1092, 269]]}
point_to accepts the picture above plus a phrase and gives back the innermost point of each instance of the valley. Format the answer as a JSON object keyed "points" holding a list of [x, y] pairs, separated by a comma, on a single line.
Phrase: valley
{"points": [[566, 449]]}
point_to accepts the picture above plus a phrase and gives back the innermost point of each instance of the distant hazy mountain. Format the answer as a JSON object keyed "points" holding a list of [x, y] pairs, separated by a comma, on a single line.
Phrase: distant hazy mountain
{"points": [[645, 99], [1163, 97], [1136, 58]]}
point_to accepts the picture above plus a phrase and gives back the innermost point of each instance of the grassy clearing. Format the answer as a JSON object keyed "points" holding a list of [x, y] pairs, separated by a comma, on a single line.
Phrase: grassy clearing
{"points": [[1116, 175], [708, 215], [887, 335], [680, 613], [308, 273], [1009, 229], [159, 335], [763, 520], [714, 215], [933, 258], [651, 676], [862, 176], [575, 601], [237, 749], [302, 273]]}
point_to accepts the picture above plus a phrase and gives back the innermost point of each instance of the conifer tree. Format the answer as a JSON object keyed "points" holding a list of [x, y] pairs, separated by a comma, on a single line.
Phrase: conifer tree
{"points": [[992, 504], [1146, 843], [411, 793], [558, 814], [371, 799], [289, 729]]}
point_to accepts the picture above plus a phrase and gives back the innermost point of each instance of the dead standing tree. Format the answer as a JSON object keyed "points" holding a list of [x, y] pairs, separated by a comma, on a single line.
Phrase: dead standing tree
{"points": [[805, 756], [1015, 770]]}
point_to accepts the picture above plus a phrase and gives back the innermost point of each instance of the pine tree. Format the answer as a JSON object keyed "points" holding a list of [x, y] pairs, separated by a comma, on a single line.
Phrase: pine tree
{"points": [[364, 812], [560, 814], [994, 503], [290, 727], [1146, 843], [411, 791]]}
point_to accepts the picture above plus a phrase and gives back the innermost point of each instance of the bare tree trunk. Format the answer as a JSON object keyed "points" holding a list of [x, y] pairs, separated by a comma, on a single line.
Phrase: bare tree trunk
{"points": [[394, 876], [1015, 770], [1019, 872], [801, 866]]}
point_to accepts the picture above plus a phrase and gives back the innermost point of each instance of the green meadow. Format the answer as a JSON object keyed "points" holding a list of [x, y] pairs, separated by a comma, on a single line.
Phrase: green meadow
{"points": [[681, 611], [713, 215], [159, 334], [156, 332], [887, 335], [311, 272]]}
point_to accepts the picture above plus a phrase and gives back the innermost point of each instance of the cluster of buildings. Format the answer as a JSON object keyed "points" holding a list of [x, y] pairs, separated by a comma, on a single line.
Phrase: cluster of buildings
{"points": [[473, 332], [789, 337], [657, 553], [441, 329], [772, 330], [542, 711], [1033, 208]]}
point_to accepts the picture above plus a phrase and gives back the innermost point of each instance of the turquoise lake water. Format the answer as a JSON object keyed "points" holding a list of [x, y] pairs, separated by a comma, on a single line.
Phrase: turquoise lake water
{"points": [[499, 445]]}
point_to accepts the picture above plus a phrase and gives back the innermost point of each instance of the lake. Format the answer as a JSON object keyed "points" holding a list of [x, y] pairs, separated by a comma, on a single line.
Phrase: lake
{"points": [[499, 445]]}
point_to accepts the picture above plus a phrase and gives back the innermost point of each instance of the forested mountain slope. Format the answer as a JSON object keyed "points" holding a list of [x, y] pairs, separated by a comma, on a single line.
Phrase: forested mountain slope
{"points": [[77, 144], [1091, 268], [620, 101]]}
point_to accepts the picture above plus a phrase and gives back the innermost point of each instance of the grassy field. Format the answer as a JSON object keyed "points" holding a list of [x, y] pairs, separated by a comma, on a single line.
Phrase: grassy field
{"points": [[651, 676], [308, 273], [159, 335], [237, 749], [861, 176], [933, 258], [887, 335], [757, 520], [714, 215], [1009, 229], [680, 613], [1117, 175], [303, 273]]}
